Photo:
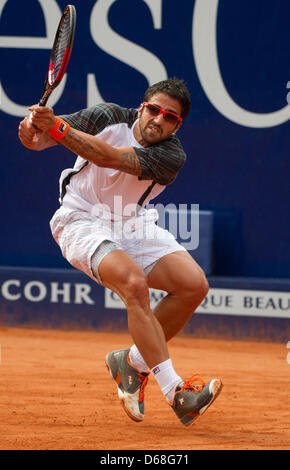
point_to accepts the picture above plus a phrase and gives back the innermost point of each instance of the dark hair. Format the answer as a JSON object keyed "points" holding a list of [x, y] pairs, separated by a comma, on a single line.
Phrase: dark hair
{"points": [[176, 89]]}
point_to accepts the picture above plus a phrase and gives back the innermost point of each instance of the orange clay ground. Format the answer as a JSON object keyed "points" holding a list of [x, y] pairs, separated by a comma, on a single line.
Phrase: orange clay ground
{"points": [[56, 393]]}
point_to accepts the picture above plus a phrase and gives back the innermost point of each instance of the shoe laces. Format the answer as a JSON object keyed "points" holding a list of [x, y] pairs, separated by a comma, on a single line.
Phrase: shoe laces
{"points": [[143, 379], [194, 384]]}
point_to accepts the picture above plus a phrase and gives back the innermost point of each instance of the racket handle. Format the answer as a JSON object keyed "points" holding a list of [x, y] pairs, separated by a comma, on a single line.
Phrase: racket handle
{"points": [[30, 115]]}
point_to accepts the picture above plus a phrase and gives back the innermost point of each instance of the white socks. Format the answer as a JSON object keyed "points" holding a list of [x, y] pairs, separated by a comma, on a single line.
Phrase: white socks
{"points": [[137, 360], [164, 373], [167, 378]]}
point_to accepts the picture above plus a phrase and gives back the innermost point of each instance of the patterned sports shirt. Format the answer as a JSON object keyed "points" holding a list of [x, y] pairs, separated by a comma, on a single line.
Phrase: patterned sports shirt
{"points": [[86, 185]]}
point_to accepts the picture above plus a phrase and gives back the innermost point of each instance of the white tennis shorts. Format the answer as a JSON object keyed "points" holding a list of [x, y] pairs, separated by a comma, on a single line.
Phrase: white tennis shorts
{"points": [[79, 234]]}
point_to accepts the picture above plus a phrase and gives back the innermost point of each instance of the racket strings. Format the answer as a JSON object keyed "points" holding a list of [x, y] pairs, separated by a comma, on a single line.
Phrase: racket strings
{"points": [[62, 44], [60, 53]]}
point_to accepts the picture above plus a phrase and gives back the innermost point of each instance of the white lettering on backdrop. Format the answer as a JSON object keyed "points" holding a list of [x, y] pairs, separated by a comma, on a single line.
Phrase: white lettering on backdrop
{"points": [[204, 43], [204, 40], [52, 14], [121, 48]]}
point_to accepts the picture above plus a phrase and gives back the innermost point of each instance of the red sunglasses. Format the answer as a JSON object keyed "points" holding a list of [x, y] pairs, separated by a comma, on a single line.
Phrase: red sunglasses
{"points": [[155, 110]]}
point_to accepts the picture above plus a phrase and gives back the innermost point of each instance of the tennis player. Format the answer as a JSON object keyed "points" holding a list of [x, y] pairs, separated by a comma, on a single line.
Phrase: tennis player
{"points": [[125, 158]]}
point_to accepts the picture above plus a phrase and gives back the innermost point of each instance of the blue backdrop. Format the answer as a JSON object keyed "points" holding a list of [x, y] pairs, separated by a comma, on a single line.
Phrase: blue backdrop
{"points": [[234, 57]]}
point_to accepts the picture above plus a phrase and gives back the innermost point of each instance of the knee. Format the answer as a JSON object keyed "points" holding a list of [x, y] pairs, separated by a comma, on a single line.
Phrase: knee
{"points": [[136, 288], [203, 286], [195, 289]]}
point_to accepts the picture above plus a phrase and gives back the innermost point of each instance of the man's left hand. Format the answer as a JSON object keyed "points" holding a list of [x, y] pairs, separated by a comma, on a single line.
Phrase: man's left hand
{"points": [[42, 117]]}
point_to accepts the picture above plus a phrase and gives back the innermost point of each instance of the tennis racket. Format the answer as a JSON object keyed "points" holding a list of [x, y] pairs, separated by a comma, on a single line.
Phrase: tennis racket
{"points": [[60, 53]]}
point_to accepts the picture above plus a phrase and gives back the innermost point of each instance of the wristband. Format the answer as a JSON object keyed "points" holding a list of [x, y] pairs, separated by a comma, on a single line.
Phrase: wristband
{"points": [[60, 129]]}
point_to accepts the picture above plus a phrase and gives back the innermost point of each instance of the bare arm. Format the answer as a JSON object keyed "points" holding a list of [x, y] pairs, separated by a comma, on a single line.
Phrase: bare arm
{"points": [[89, 147], [102, 154]]}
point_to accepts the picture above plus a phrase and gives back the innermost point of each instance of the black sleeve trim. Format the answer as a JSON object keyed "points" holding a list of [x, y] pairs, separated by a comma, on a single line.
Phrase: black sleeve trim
{"points": [[161, 162], [94, 119]]}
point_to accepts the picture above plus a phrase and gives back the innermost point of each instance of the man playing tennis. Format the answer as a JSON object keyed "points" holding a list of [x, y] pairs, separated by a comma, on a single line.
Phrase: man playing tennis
{"points": [[126, 157]]}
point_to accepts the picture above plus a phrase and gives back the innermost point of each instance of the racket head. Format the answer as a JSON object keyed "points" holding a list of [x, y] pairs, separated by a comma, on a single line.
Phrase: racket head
{"points": [[60, 53]]}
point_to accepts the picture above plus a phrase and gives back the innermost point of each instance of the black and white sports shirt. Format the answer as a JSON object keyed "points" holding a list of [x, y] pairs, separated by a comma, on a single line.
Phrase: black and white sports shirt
{"points": [[86, 184]]}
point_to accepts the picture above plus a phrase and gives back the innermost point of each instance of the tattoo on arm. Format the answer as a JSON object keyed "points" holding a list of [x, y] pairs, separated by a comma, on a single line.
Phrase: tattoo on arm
{"points": [[129, 162], [88, 149], [79, 145]]}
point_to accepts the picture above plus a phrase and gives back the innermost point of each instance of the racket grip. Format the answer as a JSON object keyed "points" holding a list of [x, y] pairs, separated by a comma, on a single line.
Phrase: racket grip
{"points": [[30, 121], [30, 116]]}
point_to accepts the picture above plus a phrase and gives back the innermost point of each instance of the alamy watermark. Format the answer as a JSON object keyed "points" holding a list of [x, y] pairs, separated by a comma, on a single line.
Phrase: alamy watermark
{"points": [[130, 222]]}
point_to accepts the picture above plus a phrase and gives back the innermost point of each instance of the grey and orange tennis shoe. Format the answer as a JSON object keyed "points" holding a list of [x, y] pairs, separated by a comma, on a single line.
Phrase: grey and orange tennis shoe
{"points": [[193, 397], [130, 383]]}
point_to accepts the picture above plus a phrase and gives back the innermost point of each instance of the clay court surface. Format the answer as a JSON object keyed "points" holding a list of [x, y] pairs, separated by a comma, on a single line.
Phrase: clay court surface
{"points": [[57, 394]]}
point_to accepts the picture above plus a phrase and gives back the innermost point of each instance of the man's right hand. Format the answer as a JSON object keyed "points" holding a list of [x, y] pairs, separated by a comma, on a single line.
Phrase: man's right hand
{"points": [[32, 138]]}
